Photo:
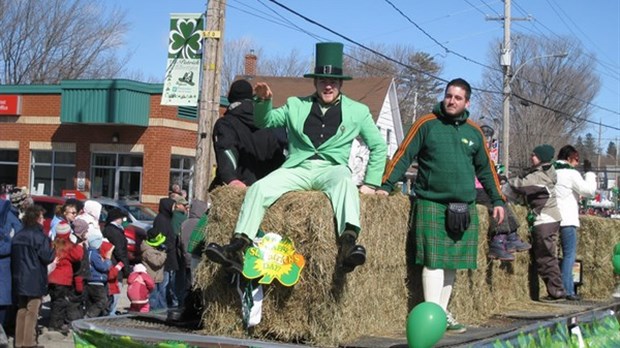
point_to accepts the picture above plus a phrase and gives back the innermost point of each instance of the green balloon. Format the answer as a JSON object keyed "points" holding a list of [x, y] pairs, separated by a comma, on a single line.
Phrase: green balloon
{"points": [[426, 324], [617, 249], [616, 262]]}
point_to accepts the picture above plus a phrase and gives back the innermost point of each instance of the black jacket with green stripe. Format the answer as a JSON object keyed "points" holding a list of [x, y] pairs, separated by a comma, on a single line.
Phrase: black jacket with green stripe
{"points": [[451, 153]]}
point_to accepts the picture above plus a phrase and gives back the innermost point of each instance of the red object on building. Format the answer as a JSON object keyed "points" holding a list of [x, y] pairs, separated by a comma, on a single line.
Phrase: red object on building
{"points": [[10, 105], [74, 194]]}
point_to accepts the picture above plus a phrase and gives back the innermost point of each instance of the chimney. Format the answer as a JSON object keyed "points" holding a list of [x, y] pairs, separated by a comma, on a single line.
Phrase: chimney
{"points": [[250, 64]]}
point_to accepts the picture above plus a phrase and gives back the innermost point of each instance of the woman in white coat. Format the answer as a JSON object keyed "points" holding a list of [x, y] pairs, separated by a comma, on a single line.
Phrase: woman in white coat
{"points": [[570, 186]]}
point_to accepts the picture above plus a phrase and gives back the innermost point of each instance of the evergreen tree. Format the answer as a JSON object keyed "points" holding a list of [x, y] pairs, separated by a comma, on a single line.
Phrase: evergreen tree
{"points": [[580, 148], [590, 149], [612, 150]]}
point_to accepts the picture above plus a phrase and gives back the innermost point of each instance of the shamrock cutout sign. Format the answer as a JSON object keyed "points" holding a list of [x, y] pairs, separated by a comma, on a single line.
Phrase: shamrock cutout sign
{"points": [[273, 257]]}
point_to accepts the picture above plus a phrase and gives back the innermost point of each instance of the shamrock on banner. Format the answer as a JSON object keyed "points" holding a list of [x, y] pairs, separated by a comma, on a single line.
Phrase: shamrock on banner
{"points": [[273, 257]]}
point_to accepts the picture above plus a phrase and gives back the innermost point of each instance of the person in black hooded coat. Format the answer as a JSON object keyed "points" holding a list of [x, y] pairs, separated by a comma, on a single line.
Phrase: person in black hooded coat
{"points": [[163, 224], [244, 152]]}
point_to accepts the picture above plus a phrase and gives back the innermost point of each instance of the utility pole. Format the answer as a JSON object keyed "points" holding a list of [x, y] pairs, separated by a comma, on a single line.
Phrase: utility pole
{"points": [[213, 42], [598, 163], [415, 107], [505, 60]]}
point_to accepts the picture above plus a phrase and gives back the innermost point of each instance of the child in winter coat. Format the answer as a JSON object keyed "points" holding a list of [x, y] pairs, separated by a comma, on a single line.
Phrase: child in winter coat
{"points": [[538, 188], [60, 279], [140, 285], [153, 258], [81, 271], [113, 289], [96, 292]]}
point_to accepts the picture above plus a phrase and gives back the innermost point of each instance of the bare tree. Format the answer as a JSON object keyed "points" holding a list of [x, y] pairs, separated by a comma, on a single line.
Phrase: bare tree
{"points": [[293, 65], [550, 96], [234, 62], [417, 90], [48, 41]]}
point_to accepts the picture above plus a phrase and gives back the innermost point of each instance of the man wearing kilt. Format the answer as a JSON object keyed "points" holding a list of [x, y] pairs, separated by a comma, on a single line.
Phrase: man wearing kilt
{"points": [[451, 152]]}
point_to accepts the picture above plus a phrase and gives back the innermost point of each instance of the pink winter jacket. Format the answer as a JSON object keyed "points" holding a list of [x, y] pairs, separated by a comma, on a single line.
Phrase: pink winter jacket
{"points": [[140, 285]]}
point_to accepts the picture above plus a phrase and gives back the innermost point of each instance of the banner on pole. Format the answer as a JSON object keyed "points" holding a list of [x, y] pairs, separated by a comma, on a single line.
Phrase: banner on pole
{"points": [[182, 82]]}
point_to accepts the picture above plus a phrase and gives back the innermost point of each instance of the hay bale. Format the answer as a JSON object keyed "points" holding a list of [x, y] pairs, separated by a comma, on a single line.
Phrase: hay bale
{"points": [[327, 308]]}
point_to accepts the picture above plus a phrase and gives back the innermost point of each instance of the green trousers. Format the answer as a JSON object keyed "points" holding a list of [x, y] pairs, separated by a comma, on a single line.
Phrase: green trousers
{"points": [[311, 175]]}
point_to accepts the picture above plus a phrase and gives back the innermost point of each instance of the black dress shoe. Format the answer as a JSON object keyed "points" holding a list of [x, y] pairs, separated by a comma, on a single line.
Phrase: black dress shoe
{"points": [[355, 257], [230, 255], [350, 255], [218, 254], [573, 297]]}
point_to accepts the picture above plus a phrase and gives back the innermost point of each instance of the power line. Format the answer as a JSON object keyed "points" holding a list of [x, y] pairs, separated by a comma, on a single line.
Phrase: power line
{"points": [[563, 113], [448, 50], [426, 73], [359, 44], [611, 68]]}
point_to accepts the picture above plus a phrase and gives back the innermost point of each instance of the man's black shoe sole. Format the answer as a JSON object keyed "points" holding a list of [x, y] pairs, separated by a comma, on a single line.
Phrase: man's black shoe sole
{"points": [[216, 254], [356, 257]]}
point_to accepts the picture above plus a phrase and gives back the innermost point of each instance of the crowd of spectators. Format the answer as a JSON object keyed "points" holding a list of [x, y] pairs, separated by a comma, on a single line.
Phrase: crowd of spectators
{"points": [[83, 266]]}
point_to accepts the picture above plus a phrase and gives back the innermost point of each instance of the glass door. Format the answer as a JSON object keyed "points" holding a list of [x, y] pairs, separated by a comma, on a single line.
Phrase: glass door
{"points": [[129, 182], [117, 176]]}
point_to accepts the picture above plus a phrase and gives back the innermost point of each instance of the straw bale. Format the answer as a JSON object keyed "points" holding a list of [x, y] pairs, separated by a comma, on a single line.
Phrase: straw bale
{"points": [[327, 307]]}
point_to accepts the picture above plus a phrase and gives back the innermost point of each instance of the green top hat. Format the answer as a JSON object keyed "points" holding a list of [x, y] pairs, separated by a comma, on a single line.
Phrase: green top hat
{"points": [[328, 61]]}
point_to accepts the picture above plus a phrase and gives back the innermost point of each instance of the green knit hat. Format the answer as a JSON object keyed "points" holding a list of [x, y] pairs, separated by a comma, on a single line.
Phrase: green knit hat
{"points": [[328, 61], [544, 152]]}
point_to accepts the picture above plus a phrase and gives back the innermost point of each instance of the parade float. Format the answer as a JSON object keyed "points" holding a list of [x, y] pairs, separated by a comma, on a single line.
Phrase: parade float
{"points": [[323, 307]]}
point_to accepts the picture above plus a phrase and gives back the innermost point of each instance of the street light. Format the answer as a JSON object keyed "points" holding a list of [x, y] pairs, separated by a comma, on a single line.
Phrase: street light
{"points": [[506, 103]]}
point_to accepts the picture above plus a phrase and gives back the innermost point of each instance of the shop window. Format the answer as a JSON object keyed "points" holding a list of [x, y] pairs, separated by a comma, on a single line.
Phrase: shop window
{"points": [[52, 172], [117, 176], [182, 173], [8, 170]]}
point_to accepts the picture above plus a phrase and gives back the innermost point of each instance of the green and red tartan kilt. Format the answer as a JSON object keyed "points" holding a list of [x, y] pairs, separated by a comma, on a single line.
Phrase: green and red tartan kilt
{"points": [[434, 247]]}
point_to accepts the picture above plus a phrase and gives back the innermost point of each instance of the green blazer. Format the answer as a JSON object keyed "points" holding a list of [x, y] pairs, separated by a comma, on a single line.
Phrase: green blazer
{"points": [[356, 121]]}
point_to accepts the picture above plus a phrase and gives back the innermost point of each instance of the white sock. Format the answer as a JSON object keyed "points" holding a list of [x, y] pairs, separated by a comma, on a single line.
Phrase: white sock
{"points": [[448, 282], [432, 284]]}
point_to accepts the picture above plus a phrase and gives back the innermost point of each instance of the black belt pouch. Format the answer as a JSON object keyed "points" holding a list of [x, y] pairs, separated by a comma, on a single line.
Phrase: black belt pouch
{"points": [[457, 219]]}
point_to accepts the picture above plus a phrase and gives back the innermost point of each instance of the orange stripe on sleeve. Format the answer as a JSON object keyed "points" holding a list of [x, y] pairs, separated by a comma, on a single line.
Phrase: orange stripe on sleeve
{"points": [[405, 144]]}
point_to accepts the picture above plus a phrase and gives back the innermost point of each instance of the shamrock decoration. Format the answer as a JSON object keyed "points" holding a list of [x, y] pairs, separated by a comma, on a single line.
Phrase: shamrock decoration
{"points": [[273, 257], [185, 38]]}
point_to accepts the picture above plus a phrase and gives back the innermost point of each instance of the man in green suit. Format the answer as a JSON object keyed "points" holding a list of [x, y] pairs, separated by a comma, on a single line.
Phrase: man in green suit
{"points": [[321, 128]]}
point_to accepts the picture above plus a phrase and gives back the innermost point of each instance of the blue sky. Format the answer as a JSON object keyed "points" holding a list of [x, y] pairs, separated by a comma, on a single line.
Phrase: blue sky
{"points": [[459, 25]]}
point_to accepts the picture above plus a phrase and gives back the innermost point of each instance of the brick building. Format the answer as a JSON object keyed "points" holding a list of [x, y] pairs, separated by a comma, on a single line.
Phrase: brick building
{"points": [[105, 138]]}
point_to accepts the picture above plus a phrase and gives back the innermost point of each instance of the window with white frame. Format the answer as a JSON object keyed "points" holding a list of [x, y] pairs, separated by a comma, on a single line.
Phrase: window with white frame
{"points": [[182, 172], [51, 172]]}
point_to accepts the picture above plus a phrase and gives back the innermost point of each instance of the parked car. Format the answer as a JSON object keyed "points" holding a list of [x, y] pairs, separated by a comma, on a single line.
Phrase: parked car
{"points": [[140, 220]]}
